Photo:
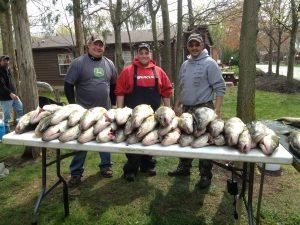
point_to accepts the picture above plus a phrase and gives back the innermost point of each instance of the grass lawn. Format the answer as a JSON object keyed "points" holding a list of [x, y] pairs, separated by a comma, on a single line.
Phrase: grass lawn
{"points": [[159, 200]]}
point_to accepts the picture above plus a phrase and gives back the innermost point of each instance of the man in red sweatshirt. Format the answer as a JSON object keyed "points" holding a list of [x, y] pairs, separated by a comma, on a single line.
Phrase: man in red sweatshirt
{"points": [[142, 82]]}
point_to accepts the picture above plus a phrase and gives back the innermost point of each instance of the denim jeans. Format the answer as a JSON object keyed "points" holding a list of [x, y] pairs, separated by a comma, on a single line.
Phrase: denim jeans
{"points": [[7, 105], [76, 165]]}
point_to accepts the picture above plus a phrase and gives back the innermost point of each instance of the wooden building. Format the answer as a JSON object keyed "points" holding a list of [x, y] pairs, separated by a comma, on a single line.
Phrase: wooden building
{"points": [[52, 55]]}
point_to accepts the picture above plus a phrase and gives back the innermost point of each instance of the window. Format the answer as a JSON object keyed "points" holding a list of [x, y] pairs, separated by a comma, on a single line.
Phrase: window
{"points": [[127, 58], [64, 61]]}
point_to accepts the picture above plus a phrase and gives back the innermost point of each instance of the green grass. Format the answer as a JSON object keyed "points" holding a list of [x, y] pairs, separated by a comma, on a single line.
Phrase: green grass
{"points": [[159, 200]]}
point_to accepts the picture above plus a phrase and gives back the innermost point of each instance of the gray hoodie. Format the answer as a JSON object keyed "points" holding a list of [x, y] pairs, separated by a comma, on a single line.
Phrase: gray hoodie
{"points": [[199, 78]]}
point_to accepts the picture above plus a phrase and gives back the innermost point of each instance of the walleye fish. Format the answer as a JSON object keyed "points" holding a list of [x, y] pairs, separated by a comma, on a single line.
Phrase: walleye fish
{"points": [[164, 115], [133, 139], [202, 117], [70, 134], [151, 138], [245, 141], [147, 126], [119, 136], [55, 131], [201, 141], [269, 143], [122, 115], [216, 127], [107, 134], [24, 123], [43, 125], [128, 126], [264, 137], [110, 115], [86, 136], [64, 112], [185, 140], [101, 124], [52, 108], [75, 117], [171, 138], [219, 140], [91, 116], [294, 141], [294, 121], [232, 130], [38, 114], [185, 123], [162, 131], [140, 113]]}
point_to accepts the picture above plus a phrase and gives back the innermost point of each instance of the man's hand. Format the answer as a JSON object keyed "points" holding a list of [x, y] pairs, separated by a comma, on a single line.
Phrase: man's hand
{"points": [[13, 96], [218, 112]]}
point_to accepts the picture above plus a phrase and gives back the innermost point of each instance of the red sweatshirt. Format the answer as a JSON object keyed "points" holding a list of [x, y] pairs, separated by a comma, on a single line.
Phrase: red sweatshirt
{"points": [[145, 78]]}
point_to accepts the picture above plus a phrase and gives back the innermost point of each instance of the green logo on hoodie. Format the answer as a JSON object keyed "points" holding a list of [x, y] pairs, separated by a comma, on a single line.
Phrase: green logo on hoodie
{"points": [[98, 72]]}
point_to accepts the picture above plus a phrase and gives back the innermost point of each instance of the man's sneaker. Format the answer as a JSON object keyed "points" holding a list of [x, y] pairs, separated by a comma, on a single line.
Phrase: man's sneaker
{"points": [[151, 172], [74, 181], [130, 177], [179, 171], [204, 182], [106, 172]]}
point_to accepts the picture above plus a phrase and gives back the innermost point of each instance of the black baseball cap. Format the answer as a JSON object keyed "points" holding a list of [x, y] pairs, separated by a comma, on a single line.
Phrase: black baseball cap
{"points": [[4, 57], [144, 45]]}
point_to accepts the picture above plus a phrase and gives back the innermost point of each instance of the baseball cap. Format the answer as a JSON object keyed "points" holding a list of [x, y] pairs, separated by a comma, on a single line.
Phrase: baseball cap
{"points": [[4, 57], [195, 37], [95, 37], [144, 45]]}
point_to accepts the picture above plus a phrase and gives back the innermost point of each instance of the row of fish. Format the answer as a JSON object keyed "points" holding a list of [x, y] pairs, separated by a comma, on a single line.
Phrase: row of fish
{"points": [[141, 124]]}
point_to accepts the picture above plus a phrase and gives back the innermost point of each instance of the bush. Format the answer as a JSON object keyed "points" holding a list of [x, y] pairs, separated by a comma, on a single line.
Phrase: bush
{"points": [[226, 55]]}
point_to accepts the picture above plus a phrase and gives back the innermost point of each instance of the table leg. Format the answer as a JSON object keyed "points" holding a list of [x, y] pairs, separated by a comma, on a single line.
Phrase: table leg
{"points": [[261, 186], [65, 186], [250, 194], [42, 194], [45, 192]]}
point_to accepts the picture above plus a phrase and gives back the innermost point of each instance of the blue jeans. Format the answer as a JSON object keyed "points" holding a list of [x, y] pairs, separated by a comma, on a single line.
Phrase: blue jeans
{"points": [[76, 165], [7, 105]]}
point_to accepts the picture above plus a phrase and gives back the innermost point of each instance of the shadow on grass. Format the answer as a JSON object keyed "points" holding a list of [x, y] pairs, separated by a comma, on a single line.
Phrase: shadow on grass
{"points": [[179, 206]]}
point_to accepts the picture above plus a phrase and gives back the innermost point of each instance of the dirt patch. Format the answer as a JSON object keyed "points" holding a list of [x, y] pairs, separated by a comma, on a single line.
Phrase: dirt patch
{"points": [[273, 83]]}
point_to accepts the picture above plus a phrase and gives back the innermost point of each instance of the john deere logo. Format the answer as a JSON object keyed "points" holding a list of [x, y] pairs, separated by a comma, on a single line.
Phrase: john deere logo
{"points": [[98, 72]]}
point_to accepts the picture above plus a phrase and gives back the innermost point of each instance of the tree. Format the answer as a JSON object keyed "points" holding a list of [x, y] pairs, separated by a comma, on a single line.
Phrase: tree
{"points": [[179, 50], [116, 17], [78, 28], [273, 22], [8, 41], [24, 55], [191, 15], [28, 88], [166, 57], [153, 11], [295, 8], [246, 86]]}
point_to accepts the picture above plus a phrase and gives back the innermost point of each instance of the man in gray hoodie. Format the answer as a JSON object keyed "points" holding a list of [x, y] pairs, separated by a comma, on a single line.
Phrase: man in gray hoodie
{"points": [[199, 79]]}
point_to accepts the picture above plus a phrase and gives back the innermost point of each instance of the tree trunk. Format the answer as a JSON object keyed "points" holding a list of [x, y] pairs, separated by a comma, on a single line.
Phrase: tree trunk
{"points": [[28, 88], [246, 86], [116, 16], [78, 28], [156, 49], [191, 15], [166, 57], [292, 51], [278, 53], [270, 53], [179, 50], [4, 33], [130, 42]]}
